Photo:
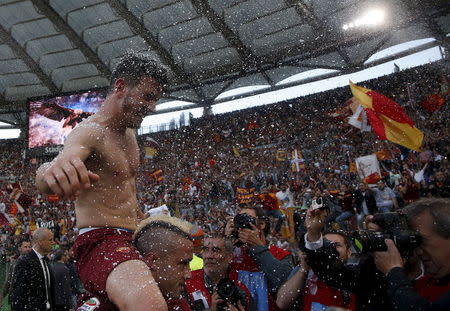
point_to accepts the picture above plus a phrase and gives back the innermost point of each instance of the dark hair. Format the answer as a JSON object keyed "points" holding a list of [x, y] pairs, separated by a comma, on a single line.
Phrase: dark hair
{"points": [[142, 244], [341, 233], [439, 210], [59, 254], [261, 215], [23, 241], [132, 67]]}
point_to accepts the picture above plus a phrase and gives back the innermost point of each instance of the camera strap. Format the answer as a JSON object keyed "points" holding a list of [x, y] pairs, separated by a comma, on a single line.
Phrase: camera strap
{"points": [[209, 284]]}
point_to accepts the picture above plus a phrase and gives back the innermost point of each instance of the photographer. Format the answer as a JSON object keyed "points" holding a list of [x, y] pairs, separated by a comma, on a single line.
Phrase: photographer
{"points": [[261, 267], [313, 292], [205, 288], [431, 219], [324, 260]]}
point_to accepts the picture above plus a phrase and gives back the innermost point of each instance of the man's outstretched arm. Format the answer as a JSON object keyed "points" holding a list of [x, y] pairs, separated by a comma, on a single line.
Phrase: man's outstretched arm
{"points": [[67, 174]]}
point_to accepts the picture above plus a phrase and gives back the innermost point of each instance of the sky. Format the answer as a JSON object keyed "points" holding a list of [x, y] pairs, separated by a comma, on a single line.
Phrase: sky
{"points": [[150, 123]]}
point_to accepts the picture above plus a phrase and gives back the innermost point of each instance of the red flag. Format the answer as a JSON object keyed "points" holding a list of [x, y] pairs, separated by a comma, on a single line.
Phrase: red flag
{"points": [[388, 119], [52, 198], [372, 178], [433, 102], [157, 175], [13, 209], [4, 220]]}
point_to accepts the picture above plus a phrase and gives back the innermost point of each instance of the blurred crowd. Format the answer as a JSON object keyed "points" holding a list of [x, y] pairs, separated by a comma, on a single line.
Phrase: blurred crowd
{"points": [[281, 157]]}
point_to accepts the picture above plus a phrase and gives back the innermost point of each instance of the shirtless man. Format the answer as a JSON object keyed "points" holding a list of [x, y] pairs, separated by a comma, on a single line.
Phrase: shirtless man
{"points": [[97, 169]]}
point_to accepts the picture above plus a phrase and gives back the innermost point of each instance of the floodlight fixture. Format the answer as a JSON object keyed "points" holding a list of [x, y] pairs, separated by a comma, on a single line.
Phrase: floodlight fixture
{"points": [[372, 17]]}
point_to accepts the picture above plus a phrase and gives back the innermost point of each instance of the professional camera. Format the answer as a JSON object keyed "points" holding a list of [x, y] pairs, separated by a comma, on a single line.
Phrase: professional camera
{"points": [[230, 293], [394, 226], [242, 221]]}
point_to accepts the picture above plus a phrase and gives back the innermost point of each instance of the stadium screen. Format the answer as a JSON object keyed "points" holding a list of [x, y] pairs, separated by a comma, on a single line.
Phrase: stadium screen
{"points": [[50, 120]]}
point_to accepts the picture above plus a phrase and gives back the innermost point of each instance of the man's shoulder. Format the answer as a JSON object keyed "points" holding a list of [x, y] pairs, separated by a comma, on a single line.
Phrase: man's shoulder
{"points": [[59, 267], [197, 274], [278, 252], [27, 257]]}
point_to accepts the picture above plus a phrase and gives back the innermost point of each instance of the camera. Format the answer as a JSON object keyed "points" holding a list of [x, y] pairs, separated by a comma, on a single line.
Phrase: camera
{"points": [[394, 226], [229, 292], [318, 204], [242, 221]]}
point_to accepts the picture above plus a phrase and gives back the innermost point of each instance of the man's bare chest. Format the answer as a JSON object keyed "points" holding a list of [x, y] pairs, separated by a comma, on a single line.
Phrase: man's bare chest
{"points": [[118, 157]]}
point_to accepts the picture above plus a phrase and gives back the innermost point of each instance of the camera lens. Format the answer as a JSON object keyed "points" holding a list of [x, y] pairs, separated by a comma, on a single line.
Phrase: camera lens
{"points": [[369, 241]]}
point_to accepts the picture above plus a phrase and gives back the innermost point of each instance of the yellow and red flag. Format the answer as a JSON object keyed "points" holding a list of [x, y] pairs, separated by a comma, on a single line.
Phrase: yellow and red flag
{"points": [[387, 118]]}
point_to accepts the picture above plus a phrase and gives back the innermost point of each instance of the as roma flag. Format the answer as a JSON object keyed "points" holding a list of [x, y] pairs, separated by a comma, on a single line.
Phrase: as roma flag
{"points": [[388, 119]]}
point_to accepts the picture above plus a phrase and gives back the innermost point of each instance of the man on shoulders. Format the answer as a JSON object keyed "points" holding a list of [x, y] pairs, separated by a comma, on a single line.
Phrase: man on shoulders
{"points": [[97, 168]]}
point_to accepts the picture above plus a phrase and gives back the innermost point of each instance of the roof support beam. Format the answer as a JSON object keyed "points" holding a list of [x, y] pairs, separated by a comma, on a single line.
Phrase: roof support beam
{"points": [[203, 8], [30, 62], [44, 8], [307, 13], [330, 75], [292, 62], [138, 28], [417, 10], [386, 38]]}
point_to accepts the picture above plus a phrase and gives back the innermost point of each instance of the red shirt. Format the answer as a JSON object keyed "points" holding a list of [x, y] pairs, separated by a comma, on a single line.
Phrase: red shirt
{"points": [[319, 292], [429, 288]]}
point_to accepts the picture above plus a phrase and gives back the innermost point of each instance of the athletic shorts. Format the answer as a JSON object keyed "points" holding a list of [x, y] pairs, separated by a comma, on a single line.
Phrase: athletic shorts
{"points": [[97, 253]]}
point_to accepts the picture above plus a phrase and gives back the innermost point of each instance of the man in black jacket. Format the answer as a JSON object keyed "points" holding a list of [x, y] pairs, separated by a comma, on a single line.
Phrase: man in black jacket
{"points": [[365, 203], [431, 218], [62, 287], [364, 279], [32, 283], [24, 249]]}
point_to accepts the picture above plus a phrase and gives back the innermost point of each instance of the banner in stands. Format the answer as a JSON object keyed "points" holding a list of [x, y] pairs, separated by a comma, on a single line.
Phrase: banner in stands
{"points": [[367, 166]]}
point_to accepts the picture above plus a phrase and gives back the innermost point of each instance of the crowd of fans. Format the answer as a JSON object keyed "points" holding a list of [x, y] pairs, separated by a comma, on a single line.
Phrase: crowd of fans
{"points": [[203, 172]]}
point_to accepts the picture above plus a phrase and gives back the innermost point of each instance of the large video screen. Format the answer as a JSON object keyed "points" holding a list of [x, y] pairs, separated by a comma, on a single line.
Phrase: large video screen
{"points": [[51, 120]]}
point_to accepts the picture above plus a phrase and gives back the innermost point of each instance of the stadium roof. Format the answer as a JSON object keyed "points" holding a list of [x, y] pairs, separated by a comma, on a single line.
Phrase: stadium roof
{"points": [[209, 46]]}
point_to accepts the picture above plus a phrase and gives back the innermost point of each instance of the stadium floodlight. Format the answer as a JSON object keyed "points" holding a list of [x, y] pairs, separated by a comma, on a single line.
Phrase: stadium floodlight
{"points": [[372, 17]]}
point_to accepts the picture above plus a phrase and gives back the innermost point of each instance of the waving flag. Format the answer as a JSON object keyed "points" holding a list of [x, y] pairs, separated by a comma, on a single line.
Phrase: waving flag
{"points": [[297, 161], [387, 118]]}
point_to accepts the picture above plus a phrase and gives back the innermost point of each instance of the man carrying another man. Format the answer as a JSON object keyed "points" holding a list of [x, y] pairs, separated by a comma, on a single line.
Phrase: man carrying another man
{"points": [[166, 246]]}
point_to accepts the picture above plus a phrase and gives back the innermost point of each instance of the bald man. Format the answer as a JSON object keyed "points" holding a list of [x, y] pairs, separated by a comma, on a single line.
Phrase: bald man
{"points": [[31, 286]]}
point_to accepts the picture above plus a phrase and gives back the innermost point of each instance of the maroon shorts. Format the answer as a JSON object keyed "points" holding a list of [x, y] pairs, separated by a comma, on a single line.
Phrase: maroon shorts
{"points": [[97, 253]]}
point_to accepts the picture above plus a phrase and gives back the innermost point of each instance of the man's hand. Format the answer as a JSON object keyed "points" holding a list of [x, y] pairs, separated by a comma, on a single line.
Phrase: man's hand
{"points": [[233, 308], [303, 264], [386, 261], [67, 176], [314, 222], [370, 225], [215, 300], [229, 226], [252, 236]]}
